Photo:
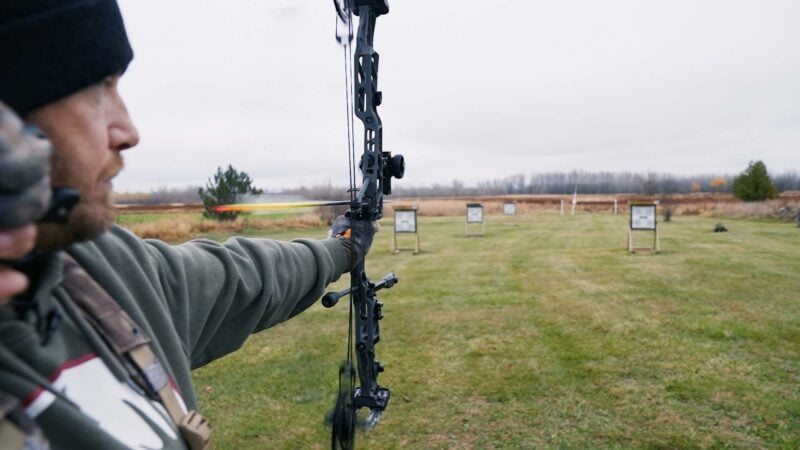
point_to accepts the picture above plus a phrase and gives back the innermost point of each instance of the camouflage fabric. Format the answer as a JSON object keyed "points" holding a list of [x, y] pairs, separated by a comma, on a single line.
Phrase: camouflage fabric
{"points": [[24, 171]]}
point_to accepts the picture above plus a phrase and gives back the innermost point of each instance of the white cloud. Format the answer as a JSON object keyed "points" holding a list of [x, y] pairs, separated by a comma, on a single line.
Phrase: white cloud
{"points": [[472, 90]]}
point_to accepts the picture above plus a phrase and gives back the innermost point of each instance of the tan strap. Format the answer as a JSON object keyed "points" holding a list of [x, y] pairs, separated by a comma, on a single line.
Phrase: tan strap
{"points": [[197, 431], [193, 426], [128, 340], [17, 430], [11, 436], [146, 361]]}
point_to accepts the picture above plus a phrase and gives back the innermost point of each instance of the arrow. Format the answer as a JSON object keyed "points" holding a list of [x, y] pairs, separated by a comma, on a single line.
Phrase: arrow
{"points": [[246, 207]]}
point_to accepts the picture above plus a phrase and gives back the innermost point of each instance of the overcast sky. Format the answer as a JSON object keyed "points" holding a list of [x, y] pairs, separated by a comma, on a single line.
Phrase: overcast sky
{"points": [[472, 90]]}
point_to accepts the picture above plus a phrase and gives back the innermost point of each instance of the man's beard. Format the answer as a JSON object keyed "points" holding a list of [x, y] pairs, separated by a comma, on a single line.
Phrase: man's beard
{"points": [[92, 216]]}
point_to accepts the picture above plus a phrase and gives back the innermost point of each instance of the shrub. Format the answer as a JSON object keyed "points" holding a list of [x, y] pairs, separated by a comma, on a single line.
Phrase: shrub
{"points": [[668, 209], [754, 184], [225, 189]]}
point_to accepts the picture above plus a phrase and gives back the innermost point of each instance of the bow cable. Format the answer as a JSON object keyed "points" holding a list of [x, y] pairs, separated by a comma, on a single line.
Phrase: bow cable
{"points": [[342, 418], [344, 36]]}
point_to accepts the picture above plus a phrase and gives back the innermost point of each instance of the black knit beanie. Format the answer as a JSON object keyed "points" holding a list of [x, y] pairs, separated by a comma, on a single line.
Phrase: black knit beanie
{"points": [[52, 48]]}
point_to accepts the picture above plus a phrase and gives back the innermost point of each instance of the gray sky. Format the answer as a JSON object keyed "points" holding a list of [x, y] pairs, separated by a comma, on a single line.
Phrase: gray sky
{"points": [[472, 90]]}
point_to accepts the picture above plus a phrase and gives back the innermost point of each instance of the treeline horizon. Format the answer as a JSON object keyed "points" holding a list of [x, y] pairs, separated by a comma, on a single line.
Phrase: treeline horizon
{"points": [[546, 183]]}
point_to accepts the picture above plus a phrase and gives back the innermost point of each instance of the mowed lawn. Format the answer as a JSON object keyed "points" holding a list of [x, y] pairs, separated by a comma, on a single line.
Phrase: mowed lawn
{"points": [[546, 333]]}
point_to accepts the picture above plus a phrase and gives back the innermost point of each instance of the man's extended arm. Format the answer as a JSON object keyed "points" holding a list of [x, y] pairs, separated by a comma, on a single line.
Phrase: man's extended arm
{"points": [[211, 296]]}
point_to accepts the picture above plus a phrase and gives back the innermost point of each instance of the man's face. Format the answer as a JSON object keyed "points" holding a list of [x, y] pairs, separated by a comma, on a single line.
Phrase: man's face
{"points": [[88, 130]]}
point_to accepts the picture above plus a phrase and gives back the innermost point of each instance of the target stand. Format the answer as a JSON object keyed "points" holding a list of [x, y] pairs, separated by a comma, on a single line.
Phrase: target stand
{"points": [[509, 211], [405, 222], [643, 218], [474, 219]]}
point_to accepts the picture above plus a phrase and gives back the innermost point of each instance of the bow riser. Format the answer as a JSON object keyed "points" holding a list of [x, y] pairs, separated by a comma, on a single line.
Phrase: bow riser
{"points": [[367, 99], [378, 168], [367, 316]]}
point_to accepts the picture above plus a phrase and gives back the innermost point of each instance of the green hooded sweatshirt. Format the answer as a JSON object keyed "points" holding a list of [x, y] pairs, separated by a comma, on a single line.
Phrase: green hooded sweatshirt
{"points": [[196, 301]]}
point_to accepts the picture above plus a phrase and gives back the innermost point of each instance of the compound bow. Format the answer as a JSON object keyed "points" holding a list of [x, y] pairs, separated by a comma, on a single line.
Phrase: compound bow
{"points": [[366, 206]]}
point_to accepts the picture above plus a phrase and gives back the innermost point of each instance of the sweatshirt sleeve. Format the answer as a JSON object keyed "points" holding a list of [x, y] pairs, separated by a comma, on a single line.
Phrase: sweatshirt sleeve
{"points": [[215, 294]]}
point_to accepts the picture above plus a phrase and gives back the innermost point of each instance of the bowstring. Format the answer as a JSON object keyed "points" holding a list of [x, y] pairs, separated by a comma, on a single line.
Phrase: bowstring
{"points": [[347, 17], [350, 82]]}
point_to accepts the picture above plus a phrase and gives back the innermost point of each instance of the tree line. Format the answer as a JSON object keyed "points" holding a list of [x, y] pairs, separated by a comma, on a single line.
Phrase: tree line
{"points": [[565, 183], [552, 183]]}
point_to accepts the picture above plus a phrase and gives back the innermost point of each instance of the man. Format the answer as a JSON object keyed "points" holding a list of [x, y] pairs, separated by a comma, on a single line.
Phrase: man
{"points": [[76, 370]]}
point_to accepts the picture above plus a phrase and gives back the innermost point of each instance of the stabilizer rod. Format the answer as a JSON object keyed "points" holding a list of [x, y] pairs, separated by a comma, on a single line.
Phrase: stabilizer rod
{"points": [[330, 299]]}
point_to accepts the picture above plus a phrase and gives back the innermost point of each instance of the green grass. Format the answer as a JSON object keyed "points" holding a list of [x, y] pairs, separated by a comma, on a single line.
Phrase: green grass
{"points": [[134, 218], [545, 332]]}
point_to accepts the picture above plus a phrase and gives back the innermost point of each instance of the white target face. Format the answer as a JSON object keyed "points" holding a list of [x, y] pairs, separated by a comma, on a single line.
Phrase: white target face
{"points": [[474, 214], [405, 221], [509, 209], [643, 217]]}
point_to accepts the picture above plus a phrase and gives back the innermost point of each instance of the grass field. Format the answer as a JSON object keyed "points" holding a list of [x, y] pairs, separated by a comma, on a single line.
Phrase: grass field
{"points": [[546, 333]]}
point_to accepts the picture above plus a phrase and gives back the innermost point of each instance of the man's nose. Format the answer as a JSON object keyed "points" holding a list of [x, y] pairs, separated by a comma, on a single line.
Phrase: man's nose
{"points": [[123, 134]]}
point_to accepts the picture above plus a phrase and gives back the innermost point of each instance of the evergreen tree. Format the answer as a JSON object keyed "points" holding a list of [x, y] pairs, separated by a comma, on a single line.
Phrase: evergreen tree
{"points": [[754, 184], [225, 189]]}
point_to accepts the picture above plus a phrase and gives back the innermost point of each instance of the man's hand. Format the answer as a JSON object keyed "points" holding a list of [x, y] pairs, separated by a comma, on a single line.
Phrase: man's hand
{"points": [[14, 244], [24, 195], [358, 236]]}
